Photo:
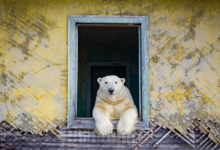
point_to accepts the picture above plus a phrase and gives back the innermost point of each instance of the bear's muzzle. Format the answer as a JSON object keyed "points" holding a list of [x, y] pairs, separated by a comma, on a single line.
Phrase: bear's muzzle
{"points": [[111, 91]]}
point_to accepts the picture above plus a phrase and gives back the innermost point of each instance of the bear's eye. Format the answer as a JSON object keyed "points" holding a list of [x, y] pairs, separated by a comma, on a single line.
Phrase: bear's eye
{"points": [[106, 82], [116, 82]]}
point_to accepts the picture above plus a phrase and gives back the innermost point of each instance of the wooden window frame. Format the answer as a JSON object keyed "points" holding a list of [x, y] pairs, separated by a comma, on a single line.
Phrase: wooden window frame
{"points": [[142, 23]]}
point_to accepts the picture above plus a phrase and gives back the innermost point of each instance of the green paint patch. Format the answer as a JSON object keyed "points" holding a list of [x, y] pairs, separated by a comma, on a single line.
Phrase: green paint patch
{"points": [[159, 37], [178, 51], [195, 20], [155, 59], [190, 55], [174, 65], [30, 25]]}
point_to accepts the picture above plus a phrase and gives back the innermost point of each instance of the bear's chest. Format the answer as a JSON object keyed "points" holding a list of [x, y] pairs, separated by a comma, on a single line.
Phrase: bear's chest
{"points": [[117, 111]]}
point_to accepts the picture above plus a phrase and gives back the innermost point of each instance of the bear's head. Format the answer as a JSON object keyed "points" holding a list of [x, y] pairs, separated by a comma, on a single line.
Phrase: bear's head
{"points": [[111, 84]]}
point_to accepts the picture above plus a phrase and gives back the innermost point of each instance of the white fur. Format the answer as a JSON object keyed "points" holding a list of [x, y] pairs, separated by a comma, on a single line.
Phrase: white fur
{"points": [[119, 105]]}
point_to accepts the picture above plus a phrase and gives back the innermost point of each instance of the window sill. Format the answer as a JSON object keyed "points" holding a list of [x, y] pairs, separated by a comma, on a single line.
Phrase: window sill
{"points": [[90, 124]]}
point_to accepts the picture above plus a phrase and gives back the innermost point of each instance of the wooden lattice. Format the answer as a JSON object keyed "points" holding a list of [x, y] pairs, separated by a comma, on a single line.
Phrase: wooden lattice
{"points": [[161, 136]]}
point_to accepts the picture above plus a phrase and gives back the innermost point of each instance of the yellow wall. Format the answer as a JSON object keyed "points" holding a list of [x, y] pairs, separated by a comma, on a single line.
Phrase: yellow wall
{"points": [[184, 46]]}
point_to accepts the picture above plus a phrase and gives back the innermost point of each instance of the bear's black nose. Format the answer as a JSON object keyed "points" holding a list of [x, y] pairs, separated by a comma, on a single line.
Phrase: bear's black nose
{"points": [[111, 91]]}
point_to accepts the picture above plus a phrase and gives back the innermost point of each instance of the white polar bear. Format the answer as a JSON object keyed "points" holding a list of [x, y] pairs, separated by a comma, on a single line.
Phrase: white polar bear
{"points": [[114, 100]]}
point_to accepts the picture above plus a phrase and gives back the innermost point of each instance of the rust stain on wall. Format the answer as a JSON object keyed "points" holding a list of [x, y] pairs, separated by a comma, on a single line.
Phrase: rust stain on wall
{"points": [[184, 47]]}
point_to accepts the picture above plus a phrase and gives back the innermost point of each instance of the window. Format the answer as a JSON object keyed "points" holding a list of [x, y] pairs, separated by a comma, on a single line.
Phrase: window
{"points": [[104, 34]]}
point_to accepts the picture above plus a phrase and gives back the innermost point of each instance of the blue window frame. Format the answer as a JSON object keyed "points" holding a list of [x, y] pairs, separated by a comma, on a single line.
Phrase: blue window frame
{"points": [[142, 22]]}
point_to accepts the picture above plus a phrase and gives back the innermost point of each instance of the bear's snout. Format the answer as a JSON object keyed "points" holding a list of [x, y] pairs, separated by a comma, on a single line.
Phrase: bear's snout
{"points": [[111, 91]]}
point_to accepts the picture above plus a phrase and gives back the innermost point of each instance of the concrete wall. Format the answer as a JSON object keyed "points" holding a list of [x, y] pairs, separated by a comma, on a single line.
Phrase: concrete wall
{"points": [[184, 46]]}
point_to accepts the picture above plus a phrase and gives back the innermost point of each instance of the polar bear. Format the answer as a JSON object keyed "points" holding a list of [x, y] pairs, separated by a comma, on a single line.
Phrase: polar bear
{"points": [[114, 100]]}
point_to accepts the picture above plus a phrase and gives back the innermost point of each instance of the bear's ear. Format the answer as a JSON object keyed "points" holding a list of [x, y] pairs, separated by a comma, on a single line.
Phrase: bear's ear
{"points": [[122, 80], [99, 80]]}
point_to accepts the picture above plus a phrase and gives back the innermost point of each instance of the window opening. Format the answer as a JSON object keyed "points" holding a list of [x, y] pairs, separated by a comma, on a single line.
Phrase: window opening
{"points": [[88, 42]]}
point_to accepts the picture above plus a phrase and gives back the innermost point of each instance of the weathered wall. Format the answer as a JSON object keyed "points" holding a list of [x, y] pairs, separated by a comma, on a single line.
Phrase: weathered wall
{"points": [[184, 42]]}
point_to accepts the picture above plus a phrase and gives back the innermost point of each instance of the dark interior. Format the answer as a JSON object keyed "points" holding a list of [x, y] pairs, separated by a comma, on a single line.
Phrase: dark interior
{"points": [[105, 44], [107, 36]]}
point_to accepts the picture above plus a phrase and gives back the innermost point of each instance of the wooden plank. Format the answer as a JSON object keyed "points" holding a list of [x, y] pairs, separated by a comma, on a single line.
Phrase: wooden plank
{"points": [[94, 135], [89, 145], [46, 145], [108, 25], [120, 140], [90, 124], [168, 146], [139, 73], [107, 19], [145, 72], [101, 140], [71, 72]]}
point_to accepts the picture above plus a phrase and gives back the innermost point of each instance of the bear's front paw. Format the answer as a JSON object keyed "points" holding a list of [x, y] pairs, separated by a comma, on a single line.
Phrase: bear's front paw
{"points": [[124, 128], [104, 128]]}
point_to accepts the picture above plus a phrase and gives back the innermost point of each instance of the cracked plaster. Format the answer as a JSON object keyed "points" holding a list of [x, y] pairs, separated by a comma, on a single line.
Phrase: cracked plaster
{"points": [[184, 50]]}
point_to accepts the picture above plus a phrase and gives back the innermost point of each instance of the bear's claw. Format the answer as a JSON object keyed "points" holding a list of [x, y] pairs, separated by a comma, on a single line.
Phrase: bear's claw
{"points": [[104, 129]]}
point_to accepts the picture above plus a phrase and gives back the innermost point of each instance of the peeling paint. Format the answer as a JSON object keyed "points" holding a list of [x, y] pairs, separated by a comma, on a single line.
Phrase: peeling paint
{"points": [[184, 48]]}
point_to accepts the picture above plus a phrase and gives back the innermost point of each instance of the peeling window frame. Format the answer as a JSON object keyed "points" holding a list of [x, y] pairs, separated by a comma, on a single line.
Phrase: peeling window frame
{"points": [[144, 96]]}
